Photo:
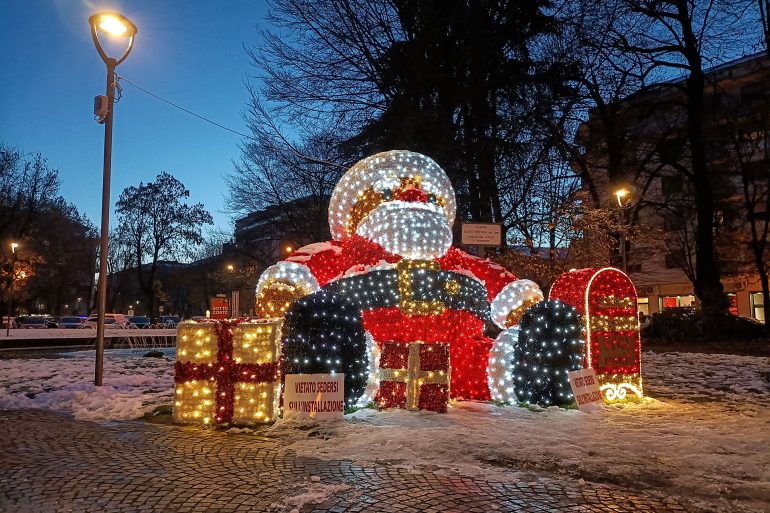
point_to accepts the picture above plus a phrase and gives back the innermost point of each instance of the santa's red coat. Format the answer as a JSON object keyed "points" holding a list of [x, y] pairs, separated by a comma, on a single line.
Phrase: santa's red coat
{"points": [[469, 348]]}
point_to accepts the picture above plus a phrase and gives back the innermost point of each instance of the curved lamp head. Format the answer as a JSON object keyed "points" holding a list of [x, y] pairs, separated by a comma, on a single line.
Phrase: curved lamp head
{"points": [[115, 25], [620, 194]]}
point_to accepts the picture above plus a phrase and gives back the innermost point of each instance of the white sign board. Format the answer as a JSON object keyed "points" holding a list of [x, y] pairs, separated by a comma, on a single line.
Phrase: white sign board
{"points": [[481, 234], [585, 387], [314, 396]]}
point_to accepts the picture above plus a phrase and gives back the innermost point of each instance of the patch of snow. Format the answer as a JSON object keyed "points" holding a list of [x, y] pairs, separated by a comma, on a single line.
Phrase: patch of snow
{"points": [[318, 247], [133, 385], [315, 493], [702, 431], [29, 334]]}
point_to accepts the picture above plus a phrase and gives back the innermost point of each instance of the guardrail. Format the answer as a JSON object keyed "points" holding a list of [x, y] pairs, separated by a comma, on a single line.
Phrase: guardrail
{"points": [[131, 338]]}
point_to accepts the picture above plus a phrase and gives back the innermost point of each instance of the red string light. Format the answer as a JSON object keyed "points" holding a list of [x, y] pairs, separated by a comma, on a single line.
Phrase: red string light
{"points": [[606, 299]]}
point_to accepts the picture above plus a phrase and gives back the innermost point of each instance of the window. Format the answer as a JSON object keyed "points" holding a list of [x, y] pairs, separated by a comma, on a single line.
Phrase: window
{"points": [[669, 302], [672, 222], [643, 305], [675, 260], [757, 306], [677, 301], [634, 268]]}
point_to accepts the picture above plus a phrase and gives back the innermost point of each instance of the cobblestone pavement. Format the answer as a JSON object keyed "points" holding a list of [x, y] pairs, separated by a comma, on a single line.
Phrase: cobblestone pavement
{"points": [[49, 463]]}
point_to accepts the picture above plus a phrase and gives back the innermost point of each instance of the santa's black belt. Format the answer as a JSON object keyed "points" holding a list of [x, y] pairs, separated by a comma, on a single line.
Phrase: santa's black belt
{"points": [[417, 287]]}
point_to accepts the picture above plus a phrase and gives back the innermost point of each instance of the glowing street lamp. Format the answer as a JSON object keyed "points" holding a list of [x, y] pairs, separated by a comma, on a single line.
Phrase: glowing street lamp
{"points": [[14, 245], [116, 26], [620, 194]]}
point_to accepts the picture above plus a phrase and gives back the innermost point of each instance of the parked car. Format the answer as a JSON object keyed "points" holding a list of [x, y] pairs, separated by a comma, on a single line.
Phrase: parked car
{"points": [[38, 322], [71, 322], [168, 321], [139, 321], [111, 320]]}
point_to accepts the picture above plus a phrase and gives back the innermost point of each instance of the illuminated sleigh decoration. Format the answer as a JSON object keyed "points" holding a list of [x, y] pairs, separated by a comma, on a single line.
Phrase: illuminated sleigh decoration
{"points": [[606, 300]]}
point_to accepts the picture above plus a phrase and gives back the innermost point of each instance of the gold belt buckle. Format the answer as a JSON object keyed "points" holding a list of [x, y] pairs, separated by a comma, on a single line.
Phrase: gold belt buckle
{"points": [[409, 305]]}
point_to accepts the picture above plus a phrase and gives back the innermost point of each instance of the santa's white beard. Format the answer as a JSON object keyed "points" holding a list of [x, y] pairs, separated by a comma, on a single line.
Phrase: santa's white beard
{"points": [[411, 230]]}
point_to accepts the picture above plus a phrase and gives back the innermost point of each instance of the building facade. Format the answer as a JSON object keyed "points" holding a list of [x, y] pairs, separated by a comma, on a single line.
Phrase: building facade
{"points": [[658, 203]]}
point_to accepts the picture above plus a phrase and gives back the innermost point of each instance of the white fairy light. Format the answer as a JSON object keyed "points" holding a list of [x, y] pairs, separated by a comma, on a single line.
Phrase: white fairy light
{"points": [[499, 375], [384, 171]]}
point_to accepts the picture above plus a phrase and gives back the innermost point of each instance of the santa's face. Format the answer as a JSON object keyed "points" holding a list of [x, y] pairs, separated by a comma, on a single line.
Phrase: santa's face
{"points": [[411, 229], [400, 179]]}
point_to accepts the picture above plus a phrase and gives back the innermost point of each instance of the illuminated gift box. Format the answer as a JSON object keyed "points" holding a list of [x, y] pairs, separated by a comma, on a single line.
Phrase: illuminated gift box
{"points": [[414, 375], [227, 372], [606, 301]]}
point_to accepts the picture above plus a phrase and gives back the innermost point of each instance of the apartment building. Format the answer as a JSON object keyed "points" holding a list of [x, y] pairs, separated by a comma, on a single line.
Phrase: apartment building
{"points": [[658, 201]]}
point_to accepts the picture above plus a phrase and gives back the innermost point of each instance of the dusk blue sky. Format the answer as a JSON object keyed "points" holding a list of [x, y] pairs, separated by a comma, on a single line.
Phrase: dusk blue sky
{"points": [[188, 51]]}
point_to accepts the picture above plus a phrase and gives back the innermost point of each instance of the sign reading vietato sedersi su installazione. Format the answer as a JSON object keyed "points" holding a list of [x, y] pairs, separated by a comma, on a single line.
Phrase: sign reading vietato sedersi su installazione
{"points": [[314, 396]]}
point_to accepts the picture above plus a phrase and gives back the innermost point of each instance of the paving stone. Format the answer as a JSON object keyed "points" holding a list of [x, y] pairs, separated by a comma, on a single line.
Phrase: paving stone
{"points": [[49, 462]]}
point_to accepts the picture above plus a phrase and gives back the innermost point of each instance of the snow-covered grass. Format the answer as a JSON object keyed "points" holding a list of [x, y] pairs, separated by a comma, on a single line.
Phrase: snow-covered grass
{"points": [[703, 431], [133, 385]]}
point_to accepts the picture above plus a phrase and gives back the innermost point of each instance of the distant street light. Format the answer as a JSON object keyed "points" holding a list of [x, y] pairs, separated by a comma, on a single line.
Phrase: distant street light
{"points": [[14, 245], [115, 25], [234, 294], [620, 194]]}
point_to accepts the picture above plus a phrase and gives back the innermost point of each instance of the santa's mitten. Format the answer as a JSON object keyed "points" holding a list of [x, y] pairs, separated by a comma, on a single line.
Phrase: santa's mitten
{"points": [[280, 285], [513, 300]]}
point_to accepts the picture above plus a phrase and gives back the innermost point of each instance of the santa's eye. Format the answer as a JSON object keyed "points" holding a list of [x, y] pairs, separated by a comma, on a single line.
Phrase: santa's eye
{"points": [[387, 194], [432, 198]]}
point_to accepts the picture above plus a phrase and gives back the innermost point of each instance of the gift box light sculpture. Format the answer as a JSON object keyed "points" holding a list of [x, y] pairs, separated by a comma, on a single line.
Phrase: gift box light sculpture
{"points": [[414, 375], [227, 372], [606, 300]]}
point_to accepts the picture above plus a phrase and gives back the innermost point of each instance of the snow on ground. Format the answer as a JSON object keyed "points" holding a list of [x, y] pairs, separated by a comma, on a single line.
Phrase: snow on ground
{"points": [[703, 432], [133, 385]]}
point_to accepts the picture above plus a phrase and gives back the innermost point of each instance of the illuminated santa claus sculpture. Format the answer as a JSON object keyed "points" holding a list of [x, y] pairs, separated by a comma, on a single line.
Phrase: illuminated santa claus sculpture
{"points": [[391, 277]]}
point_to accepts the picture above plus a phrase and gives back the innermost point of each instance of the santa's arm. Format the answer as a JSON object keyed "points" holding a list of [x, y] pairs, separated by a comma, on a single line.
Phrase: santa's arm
{"points": [[304, 272], [508, 296]]}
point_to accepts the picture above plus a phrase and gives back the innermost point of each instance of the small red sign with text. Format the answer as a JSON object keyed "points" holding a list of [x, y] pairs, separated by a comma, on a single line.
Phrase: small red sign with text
{"points": [[220, 308]]}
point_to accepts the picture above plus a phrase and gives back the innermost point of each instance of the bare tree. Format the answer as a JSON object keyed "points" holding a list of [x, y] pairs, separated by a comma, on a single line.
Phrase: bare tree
{"points": [[156, 224], [682, 36], [458, 81]]}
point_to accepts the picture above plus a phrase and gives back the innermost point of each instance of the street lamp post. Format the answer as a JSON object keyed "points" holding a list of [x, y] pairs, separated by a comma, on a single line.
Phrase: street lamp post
{"points": [[620, 194], [116, 25], [14, 245], [234, 294]]}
